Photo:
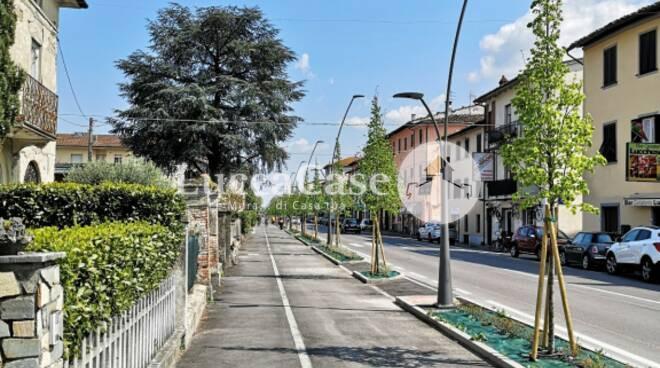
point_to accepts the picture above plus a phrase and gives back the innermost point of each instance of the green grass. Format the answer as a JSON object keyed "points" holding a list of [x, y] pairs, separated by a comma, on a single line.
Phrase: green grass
{"points": [[379, 276], [513, 339], [340, 254]]}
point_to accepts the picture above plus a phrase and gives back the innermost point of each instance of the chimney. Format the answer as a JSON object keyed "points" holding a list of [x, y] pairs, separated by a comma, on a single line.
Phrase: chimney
{"points": [[413, 117], [503, 80]]}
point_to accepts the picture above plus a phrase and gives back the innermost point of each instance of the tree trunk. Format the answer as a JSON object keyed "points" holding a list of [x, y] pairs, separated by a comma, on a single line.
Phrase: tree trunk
{"points": [[303, 225], [337, 231], [374, 247], [550, 343], [316, 227]]}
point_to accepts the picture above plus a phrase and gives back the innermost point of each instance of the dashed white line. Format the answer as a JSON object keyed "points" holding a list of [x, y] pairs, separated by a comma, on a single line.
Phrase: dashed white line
{"points": [[305, 362], [357, 245]]}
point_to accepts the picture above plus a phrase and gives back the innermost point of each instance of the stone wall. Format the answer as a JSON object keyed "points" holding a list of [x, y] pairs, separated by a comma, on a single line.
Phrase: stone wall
{"points": [[198, 201], [31, 319]]}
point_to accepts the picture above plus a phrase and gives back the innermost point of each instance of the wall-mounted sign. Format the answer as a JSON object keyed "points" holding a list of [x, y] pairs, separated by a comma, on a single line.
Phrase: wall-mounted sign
{"points": [[642, 162], [484, 166]]}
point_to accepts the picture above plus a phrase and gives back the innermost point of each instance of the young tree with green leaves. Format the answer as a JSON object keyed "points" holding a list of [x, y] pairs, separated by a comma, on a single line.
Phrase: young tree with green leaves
{"points": [[211, 91], [378, 170], [550, 157], [11, 76]]}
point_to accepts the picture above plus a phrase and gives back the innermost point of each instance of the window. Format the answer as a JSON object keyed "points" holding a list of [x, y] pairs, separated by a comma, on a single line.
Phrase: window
{"points": [[643, 235], [76, 158], [508, 116], [478, 142], [412, 140], [630, 236], [645, 130], [648, 52], [399, 145], [421, 136], [466, 224], [35, 62], [608, 148], [405, 144], [609, 66], [100, 157], [579, 238], [609, 219], [478, 223], [118, 159], [458, 151], [467, 145], [604, 238]]}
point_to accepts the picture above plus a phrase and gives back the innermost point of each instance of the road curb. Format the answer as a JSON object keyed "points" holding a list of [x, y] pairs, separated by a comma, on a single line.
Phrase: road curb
{"points": [[480, 349]]}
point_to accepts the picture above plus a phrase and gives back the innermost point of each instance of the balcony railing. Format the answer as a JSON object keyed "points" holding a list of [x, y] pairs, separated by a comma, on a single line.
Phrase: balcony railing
{"points": [[502, 187], [499, 135], [38, 107]]}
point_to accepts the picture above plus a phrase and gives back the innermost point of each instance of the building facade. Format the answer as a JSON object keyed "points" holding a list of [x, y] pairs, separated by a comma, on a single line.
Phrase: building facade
{"points": [[72, 149], [622, 88], [27, 153], [502, 214], [406, 141]]}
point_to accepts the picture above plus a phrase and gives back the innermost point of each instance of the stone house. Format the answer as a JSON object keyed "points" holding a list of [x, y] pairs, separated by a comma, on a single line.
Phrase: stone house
{"points": [[72, 149], [27, 153]]}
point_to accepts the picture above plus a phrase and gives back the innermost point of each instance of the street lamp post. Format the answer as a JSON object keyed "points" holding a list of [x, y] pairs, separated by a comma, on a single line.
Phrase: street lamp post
{"points": [[332, 166], [445, 292], [311, 155], [294, 182]]}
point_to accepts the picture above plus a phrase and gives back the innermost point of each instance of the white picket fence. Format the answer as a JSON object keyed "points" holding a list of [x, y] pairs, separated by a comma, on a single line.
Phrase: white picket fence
{"points": [[132, 339]]}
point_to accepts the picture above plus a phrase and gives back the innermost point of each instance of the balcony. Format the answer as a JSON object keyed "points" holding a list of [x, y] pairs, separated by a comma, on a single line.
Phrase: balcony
{"points": [[501, 134], [505, 187], [38, 112]]}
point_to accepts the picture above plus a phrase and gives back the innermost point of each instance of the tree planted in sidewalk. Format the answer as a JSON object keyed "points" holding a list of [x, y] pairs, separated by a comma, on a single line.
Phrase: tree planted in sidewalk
{"points": [[378, 171], [11, 76], [551, 156], [211, 91]]}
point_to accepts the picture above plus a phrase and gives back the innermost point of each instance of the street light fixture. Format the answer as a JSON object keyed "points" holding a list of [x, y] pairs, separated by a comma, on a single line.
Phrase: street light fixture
{"points": [[311, 155], [332, 163], [294, 181], [445, 293]]}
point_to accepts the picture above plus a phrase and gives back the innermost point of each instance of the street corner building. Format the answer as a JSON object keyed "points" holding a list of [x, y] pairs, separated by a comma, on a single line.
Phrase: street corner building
{"points": [[27, 154], [622, 88]]}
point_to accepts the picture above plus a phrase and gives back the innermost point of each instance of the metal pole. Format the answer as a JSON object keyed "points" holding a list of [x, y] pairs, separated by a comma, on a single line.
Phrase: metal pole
{"points": [[445, 292], [90, 140], [332, 167]]}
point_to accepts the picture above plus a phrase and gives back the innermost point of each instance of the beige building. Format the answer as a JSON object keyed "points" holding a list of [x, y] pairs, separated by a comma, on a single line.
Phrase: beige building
{"points": [[622, 88], [72, 149], [27, 154], [503, 214]]}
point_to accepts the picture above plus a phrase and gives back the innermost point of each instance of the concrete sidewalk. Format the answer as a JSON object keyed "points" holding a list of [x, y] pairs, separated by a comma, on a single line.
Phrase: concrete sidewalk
{"points": [[286, 306]]}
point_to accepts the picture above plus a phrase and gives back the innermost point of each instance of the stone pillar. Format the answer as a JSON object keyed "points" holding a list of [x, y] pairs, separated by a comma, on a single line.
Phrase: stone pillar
{"points": [[197, 199], [31, 317], [224, 238]]}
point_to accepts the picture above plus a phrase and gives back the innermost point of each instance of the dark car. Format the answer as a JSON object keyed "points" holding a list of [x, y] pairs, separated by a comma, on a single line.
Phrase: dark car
{"points": [[350, 225], [528, 240], [588, 249]]}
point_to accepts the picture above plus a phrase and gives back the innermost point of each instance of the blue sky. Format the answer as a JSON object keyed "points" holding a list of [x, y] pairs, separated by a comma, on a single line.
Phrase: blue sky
{"points": [[344, 47]]}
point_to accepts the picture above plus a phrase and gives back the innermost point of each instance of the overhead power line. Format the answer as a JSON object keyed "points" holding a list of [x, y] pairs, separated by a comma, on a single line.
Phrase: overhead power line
{"points": [[68, 77]]}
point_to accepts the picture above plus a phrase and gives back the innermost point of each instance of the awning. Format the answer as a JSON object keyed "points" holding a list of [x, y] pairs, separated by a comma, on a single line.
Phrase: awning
{"points": [[643, 200]]}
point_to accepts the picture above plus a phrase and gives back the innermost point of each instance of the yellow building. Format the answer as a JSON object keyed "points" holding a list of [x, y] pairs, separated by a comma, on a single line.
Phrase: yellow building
{"points": [[622, 88], [27, 153], [72, 149]]}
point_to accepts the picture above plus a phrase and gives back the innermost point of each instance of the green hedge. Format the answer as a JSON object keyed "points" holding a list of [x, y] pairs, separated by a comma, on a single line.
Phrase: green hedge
{"points": [[69, 204], [107, 268]]}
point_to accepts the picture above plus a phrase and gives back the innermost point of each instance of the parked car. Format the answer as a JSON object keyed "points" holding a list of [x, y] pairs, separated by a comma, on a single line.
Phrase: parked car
{"points": [[638, 248], [323, 220], [588, 249], [350, 225], [366, 225], [528, 240], [432, 231], [295, 221]]}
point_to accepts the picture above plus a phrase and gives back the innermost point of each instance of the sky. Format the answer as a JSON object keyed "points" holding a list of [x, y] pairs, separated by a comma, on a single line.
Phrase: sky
{"points": [[344, 47]]}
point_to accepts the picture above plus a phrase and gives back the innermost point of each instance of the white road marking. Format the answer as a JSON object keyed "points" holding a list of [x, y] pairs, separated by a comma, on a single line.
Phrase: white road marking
{"points": [[461, 291], [357, 245], [415, 274], [529, 275], [586, 341], [305, 362]]}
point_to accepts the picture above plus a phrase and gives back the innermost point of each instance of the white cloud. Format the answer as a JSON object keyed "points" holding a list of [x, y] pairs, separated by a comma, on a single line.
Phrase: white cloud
{"points": [[302, 145], [405, 112], [502, 52], [357, 122], [304, 66]]}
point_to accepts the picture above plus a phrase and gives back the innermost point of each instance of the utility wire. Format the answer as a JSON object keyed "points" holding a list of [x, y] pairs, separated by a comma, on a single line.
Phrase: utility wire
{"points": [[68, 77]]}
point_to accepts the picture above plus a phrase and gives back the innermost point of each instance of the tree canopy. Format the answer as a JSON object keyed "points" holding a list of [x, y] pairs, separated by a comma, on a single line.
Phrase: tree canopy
{"points": [[11, 77], [211, 91]]}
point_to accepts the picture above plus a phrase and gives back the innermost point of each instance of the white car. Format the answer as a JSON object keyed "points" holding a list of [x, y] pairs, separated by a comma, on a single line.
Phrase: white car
{"points": [[639, 248], [428, 231], [366, 225]]}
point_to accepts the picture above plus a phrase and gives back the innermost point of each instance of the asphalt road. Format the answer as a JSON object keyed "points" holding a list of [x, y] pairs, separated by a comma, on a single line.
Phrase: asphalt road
{"points": [[620, 314]]}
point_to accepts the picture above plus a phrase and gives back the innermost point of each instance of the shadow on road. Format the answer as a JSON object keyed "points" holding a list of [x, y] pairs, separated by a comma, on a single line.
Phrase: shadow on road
{"points": [[396, 357]]}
